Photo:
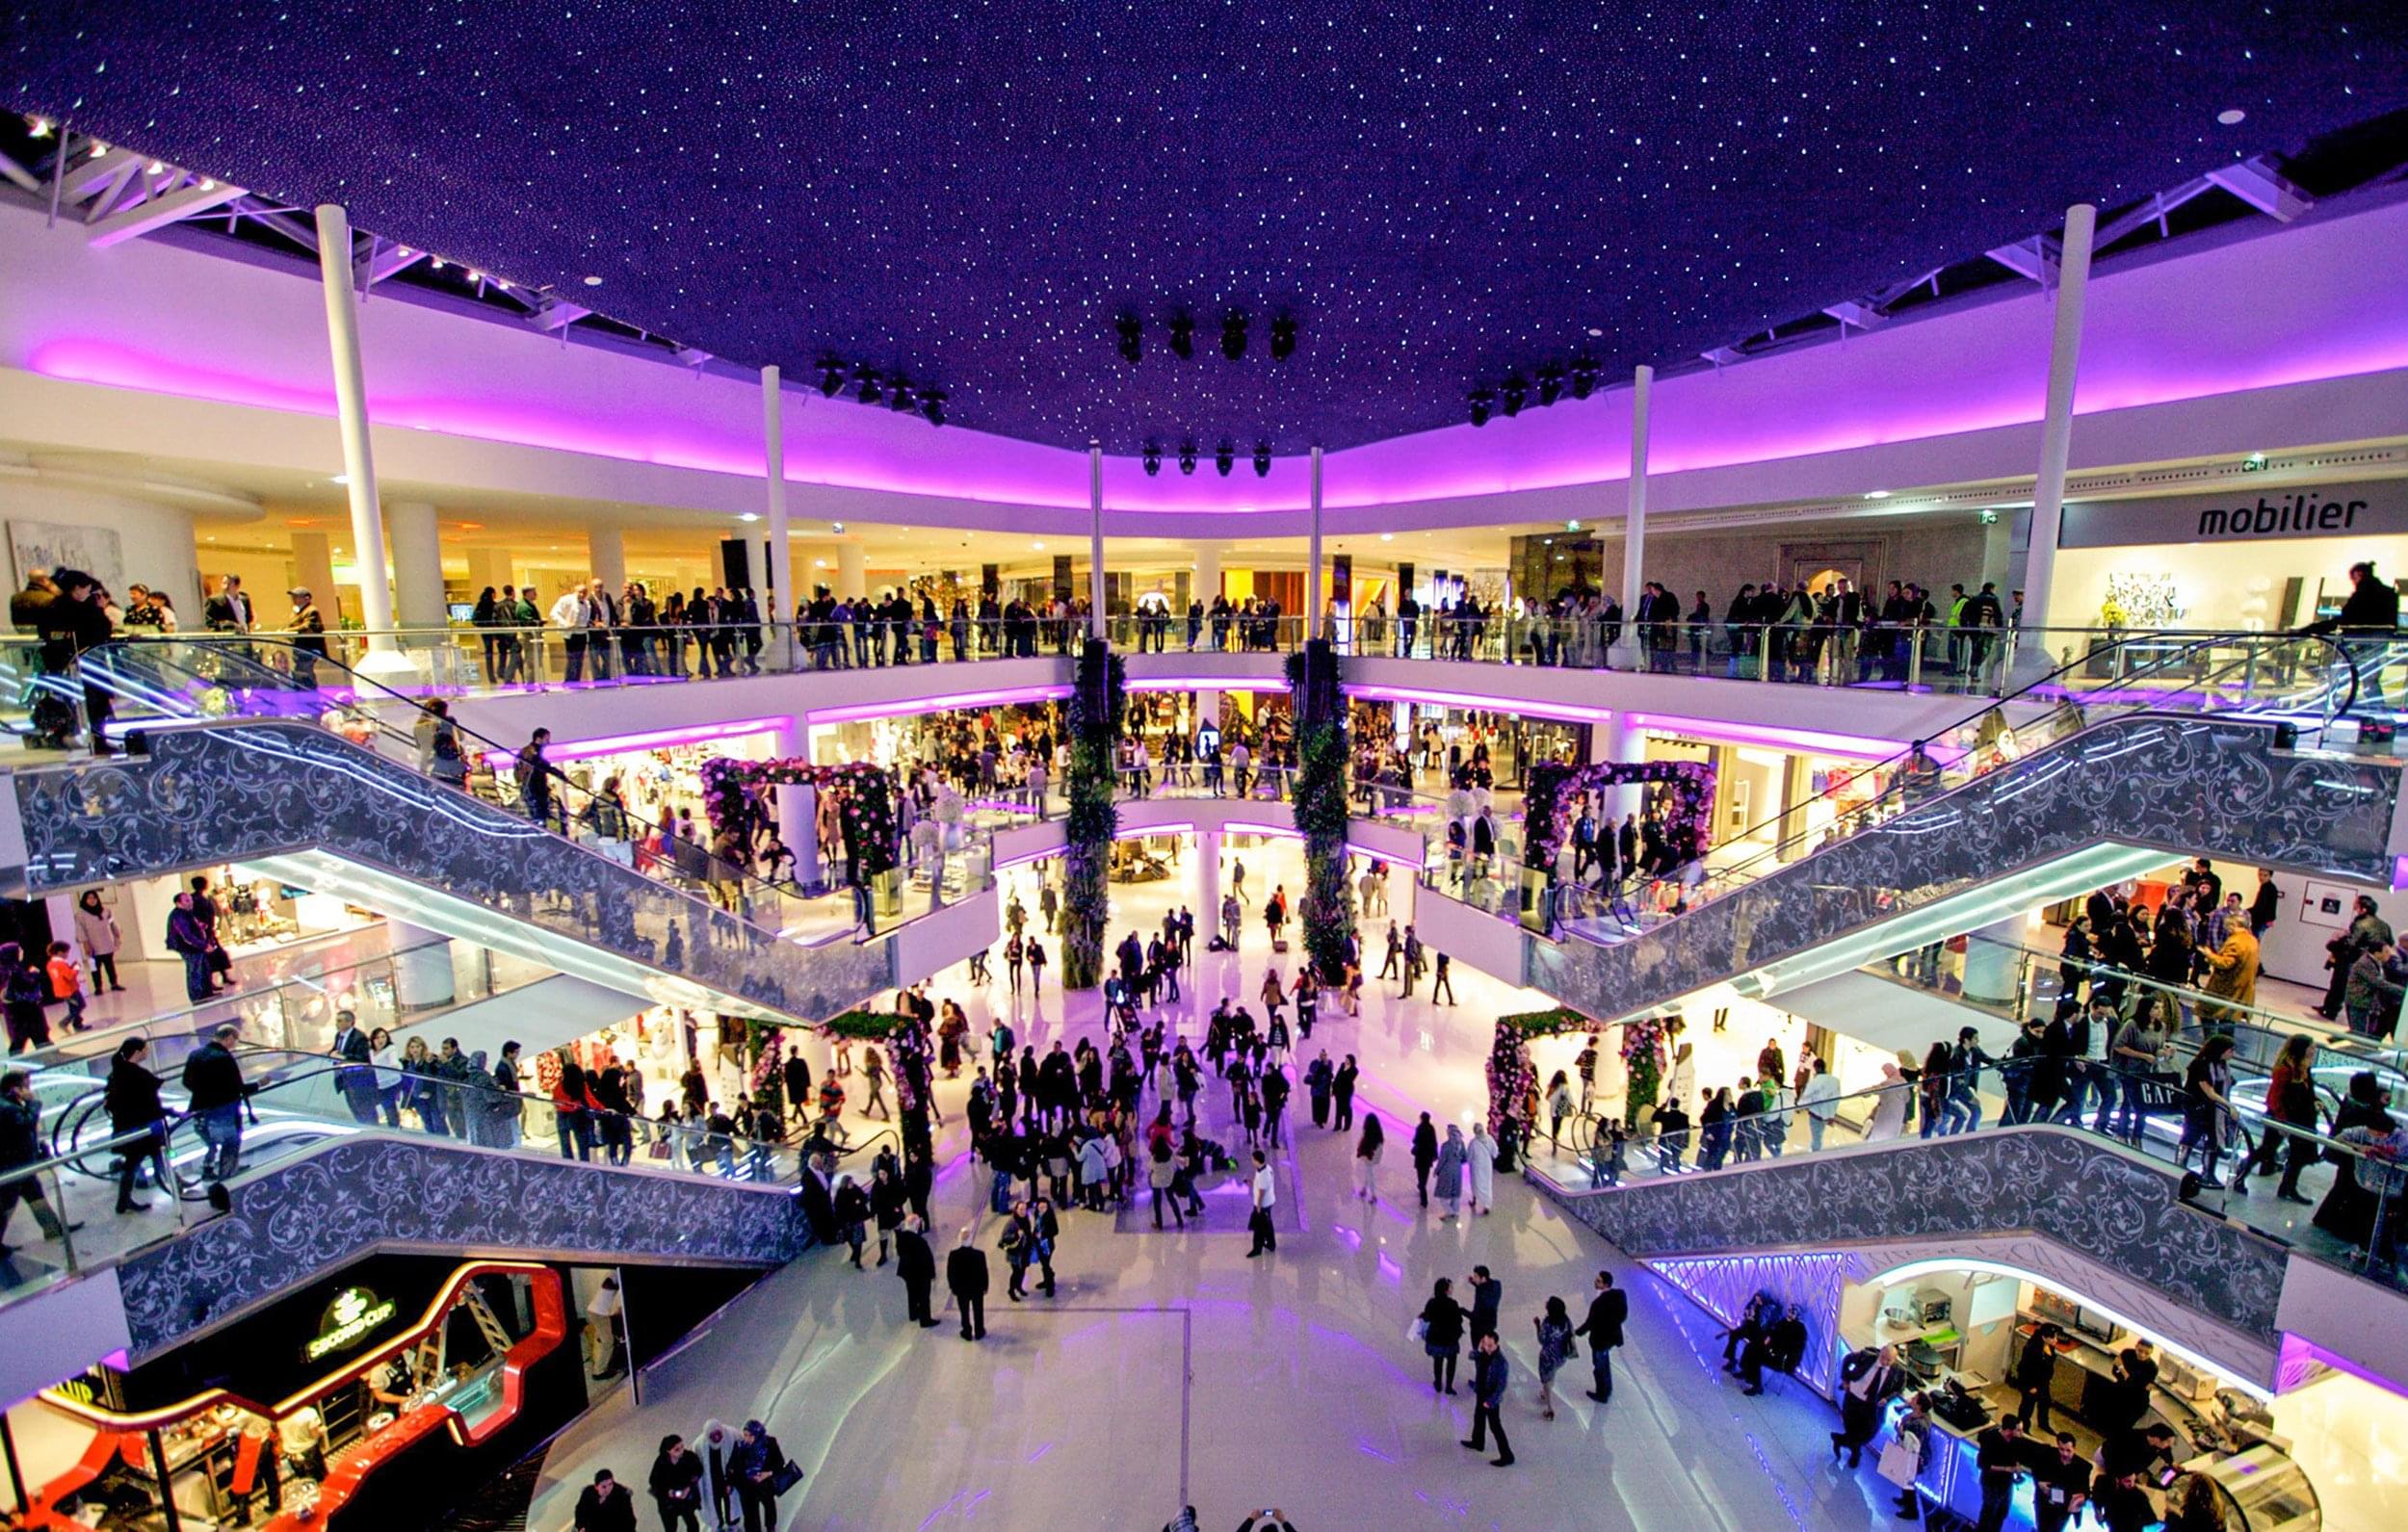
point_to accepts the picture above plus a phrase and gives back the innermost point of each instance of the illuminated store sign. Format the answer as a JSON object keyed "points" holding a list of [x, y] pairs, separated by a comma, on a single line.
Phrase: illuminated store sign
{"points": [[351, 1318], [2375, 509]]}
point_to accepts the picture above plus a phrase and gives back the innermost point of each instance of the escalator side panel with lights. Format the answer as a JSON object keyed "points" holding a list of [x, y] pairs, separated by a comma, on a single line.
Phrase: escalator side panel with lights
{"points": [[2114, 800], [317, 806]]}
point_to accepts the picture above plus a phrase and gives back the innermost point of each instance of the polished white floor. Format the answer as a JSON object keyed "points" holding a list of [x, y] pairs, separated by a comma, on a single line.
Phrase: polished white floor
{"points": [[1172, 1365]]}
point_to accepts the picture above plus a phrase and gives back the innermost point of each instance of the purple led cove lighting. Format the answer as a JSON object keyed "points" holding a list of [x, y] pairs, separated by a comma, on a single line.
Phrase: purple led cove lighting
{"points": [[1206, 683], [1813, 741], [2291, 1363], [1389, 857], [2399, 871], [1562, 712], [559, 750], [912, 707]]}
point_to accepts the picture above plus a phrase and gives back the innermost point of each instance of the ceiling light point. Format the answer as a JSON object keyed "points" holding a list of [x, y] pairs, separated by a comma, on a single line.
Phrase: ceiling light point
{"points": [[1876, 494], [747, 515], [2232, 117], [836, 526], [1387, 536], [340, 479], [590, 281], [1594, 333], [40, 127]]}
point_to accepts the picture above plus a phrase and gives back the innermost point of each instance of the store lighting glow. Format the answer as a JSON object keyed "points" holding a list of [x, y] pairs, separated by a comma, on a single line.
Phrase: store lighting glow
{"points": [[1560, 711], [1938, 1266], [1205, 684], [1814, 742], [912, 707], [559, 750]]}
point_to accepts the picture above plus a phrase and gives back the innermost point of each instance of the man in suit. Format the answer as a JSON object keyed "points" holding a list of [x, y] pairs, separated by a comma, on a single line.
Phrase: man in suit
{"points": [[357, 1080], [966, 1276], [229, 609], [1867, 1380], [1607, 1313], [916, 1265], [1489, 1374]]}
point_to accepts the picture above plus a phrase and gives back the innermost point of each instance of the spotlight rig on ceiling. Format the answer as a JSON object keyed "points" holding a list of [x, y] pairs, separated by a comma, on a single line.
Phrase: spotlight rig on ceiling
{"points": [[1153, 459], [1132, 333], [1233, 333], [1554, 378], [870, 386], [1262, 459], [1225, 456], [1282, 337], [1182, 335], [1187, 456]]}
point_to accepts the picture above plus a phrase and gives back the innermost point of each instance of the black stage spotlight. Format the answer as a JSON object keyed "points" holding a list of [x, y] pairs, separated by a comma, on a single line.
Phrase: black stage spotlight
{"points": [[1233, 334], [1583, 378], [831, 379], [1516, 389], [1186, 458], [933, 405], [1550, 383], [1282, 336], [1153, 459], [1482, 400], [899, 399], [1225, 456], [1262, 459], [867, 377], [1182, 336], [1131, 333]]}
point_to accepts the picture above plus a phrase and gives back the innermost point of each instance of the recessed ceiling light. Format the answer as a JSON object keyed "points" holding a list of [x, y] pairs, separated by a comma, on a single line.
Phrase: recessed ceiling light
{"points": [[1594, 330], [2231, 115], [838, 525], [747, 515], [593, 281], [1036, 547], [819, 563], [1876, 494], [1387, 536]]}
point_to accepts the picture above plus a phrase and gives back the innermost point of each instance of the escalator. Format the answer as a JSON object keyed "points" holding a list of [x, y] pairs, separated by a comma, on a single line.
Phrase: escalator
{"points": [[2118, 795], [320, 812]]}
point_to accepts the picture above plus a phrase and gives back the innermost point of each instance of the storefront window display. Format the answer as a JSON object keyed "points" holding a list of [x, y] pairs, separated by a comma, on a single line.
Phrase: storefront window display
{"points": [[321, 1394], [1978, 1342]]}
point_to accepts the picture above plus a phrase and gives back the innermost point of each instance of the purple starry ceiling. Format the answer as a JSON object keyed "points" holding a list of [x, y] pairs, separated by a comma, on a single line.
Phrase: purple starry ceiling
{"points": [[1439, 194]]}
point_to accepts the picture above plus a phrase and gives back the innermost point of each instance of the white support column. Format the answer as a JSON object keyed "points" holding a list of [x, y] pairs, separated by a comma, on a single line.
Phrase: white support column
{"points": [[781, 562], [1994, 962], [1626, 654], [849, 571], [359, 470], [417, 565], [606, 557], [1616, 740], [1208, 872], [1313, 598], [797, 805], [2056, 436], [1096, 584]]}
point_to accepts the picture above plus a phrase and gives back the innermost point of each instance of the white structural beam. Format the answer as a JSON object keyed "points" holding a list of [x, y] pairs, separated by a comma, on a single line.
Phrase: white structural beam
{"points": [[158, 212], [2034, 259], [552, 314], [18, 175], [386, 260], [2257, 183], [1864, 316]]}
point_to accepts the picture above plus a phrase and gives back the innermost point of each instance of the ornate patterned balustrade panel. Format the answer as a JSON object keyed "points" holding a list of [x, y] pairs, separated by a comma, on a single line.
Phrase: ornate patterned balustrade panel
{"points": [[2183, 785], [310, 1216], [241, 791]]}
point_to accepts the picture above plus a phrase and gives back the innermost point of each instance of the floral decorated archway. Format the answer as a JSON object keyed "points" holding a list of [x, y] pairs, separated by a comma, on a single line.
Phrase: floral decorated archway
{"points": [[1554, 788], [865, 802]]}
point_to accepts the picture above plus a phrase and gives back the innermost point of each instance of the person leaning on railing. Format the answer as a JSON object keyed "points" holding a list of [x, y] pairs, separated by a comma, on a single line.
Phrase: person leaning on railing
{"points": [[20, 1134]]}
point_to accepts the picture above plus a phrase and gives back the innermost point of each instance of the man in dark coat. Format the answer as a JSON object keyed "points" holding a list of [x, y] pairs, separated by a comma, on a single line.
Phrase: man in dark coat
{"points": [[1607, 1313], [966, 1277], [916, 1265]]}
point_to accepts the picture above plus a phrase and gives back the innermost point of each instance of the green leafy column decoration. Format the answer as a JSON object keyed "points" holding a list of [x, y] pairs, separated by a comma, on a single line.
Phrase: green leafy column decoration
{"points": [[1327, 912], [1098, 703]]}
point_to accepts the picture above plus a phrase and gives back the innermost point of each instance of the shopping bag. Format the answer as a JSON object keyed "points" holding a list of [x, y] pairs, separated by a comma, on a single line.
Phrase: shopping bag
{"points": [[1900, 1462]]}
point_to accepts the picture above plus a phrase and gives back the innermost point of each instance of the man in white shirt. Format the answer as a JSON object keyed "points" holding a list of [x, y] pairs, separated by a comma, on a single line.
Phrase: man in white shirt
{"points": [[572, 618], [1265, 1198]]}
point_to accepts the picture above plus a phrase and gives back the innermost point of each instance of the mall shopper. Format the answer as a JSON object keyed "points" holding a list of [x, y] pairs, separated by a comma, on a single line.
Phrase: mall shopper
{"points": [[1440, 1328], [189, 939], [1447, 1172], [1489, 1376], [1868, 1378], [1367, 1153], [2291, 1101], [761, 1474], [2209, 1122], [26, 991], [2001, 1455], [916, 1265], [605, 1506], [132, 1098], [1424, 1154], [676, 1486], [354, 1075], [20, 1145], [97, 933], [1262, 1221], [967, 1279], [1602, 1328], [213, 1080], [1479, 1163], [1556, 1346]]}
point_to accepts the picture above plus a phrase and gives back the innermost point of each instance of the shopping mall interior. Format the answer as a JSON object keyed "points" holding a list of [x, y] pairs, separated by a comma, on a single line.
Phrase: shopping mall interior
{"points": [[1275, 769]]}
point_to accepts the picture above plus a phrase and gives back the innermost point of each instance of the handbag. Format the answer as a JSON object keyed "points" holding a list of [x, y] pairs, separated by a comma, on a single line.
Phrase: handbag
{"points": [[659, 1148], [1417, 1330], [789, 1475], [1900, 1461]]}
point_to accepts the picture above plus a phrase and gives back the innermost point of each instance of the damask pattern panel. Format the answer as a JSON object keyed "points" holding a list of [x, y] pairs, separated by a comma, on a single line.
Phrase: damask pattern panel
{"points": [[2057, 1183], [310, 1216], [2182, 785], [246, 791]]}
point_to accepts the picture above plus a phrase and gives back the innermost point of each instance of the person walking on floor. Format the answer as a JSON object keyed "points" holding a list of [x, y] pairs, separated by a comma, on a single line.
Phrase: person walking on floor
{"points": [[757, 1466], [132, 1097], [1441, 1329], [605, 1506], [1447, 1177], [1602, 1329], [676, 1486], [967, 1278], [1480, 1162], [916, 1265], [1424, 1154], [1266, 1197], [1554, 1346], [1489, 1376], [1366, 1153]]}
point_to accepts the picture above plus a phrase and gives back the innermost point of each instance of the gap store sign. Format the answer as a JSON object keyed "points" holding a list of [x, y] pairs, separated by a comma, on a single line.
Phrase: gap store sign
{"points": [[2376, 509]]}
